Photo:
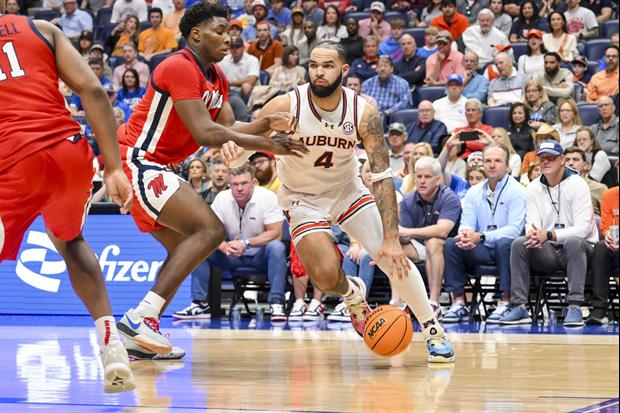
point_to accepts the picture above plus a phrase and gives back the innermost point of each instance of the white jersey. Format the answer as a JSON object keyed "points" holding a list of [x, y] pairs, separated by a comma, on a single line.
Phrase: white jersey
{"points": [[330, 137]]}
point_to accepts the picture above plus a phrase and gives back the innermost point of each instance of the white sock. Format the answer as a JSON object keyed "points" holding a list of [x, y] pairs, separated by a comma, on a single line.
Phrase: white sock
{"points": [[151, 305], [106, 331], [411, 289]]}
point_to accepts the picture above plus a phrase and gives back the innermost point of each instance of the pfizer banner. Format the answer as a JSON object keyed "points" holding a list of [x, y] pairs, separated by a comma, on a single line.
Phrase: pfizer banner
{"points": [[38, 283]]}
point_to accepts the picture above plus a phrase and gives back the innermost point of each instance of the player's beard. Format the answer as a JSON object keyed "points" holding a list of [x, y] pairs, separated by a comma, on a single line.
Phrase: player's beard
{"points": [[325, 91]]}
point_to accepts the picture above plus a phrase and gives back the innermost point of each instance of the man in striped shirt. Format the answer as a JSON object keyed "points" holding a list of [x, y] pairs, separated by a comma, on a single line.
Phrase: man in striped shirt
{"points": [[390, 91]]}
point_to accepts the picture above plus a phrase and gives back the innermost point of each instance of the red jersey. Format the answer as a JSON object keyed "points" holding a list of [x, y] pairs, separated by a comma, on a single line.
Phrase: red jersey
{"points": [[154, 128], [33, 115]]}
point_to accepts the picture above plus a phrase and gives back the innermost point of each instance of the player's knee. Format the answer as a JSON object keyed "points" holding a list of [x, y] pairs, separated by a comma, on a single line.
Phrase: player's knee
{"points": [[211, 235]]}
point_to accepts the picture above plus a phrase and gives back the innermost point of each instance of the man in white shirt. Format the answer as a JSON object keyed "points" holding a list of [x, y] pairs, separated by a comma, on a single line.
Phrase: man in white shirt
{"points": [[483, 37], [242, 70], [124, 8], [253, 223], [451, 109], [508, 87], [580, 22]]}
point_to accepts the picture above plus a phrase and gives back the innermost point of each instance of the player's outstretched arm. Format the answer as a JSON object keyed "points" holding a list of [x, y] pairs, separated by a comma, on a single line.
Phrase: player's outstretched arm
{"points": [[371, 132], [206, 132], [82, 80], [280, 121]]}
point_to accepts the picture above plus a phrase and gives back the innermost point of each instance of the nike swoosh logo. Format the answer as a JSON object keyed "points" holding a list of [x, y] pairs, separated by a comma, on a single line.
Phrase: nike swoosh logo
{"points": [[133, 325]]}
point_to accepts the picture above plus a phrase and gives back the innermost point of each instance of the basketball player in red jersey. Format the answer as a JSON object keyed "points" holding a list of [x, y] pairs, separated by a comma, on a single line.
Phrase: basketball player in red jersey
{"points": [[46, 165], [185, 107]]}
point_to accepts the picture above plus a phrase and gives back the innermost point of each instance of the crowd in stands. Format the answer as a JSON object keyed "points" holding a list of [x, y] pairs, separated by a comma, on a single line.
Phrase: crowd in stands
{"points": [[501, 117]]}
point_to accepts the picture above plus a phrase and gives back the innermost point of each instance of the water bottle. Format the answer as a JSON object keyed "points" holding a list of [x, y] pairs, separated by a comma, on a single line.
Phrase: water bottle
{"points": [[260, 313], [553, 317], [235, 315]]}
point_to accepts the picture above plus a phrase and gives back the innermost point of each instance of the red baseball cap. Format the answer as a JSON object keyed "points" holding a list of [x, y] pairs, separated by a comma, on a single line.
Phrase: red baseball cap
{"points": [[266, 154], [534, 33]]}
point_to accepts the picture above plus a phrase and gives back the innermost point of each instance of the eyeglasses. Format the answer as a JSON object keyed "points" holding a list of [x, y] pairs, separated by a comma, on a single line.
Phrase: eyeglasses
{"points": [[547, 158]]}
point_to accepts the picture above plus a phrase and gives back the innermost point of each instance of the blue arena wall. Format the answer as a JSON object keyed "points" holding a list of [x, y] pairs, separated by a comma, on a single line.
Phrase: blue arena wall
{"points": [[38, 283]]}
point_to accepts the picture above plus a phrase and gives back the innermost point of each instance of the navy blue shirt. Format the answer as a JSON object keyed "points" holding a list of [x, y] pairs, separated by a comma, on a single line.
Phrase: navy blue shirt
{"points": [[417, 213], [363, 69], [431, 133]]}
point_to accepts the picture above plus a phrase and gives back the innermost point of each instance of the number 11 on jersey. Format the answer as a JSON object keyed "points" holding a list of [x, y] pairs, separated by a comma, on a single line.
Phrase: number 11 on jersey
{"points": [[16, 70]]}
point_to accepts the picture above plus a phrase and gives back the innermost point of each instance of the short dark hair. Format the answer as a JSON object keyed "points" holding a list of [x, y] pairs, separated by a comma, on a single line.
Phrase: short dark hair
{"points": [[354, 76], [95, 61], [574, 149], [246, 168], [156, 10], [199, 13], [328, 44], [445, 3], [555, 55], [497, 145], [612, 46]]}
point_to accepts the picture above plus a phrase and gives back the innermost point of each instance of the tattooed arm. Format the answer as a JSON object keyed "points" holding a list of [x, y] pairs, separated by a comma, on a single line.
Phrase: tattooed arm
{"points": [[371, 132]]}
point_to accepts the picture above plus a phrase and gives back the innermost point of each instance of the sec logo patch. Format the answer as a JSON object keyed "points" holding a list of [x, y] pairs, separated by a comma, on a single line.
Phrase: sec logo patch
{"points": [[347, 128]]}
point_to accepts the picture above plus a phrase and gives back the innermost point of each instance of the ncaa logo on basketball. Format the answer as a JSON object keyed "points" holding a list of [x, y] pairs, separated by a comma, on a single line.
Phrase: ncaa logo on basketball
{"points": [[347, 128], [376, 327]]}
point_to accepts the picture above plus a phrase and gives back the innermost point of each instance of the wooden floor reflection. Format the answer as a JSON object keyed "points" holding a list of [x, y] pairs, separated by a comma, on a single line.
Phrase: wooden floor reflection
{"points": [[314, 371]]}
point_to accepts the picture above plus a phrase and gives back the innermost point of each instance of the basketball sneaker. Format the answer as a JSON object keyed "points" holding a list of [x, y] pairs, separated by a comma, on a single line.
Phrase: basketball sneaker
{"points": [[144, 331], [315, 311], [499, 311], [458, 312], [357, 305], [116, 372], [298, 310], [574, 317], [137, 352], [340, 313], [437, 343], [195, 311], [277, 312]]}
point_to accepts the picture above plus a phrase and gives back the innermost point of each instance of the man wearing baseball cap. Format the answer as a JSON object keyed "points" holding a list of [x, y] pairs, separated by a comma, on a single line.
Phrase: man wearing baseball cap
{"points": [[445, 62], [560, 235], [451, 109], [397, 136], [265, 164], [375, 25]]}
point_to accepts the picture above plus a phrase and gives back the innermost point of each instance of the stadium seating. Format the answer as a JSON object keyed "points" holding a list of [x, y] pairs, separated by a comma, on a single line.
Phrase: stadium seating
{"points": [[610, 27], [408, 117], [431, 93], [157, 59], [588, 112], [103, 32], [496, 116], [393, 15], [357, 15], [596, 48], [519, 49], [418, 35], [46, 15]]}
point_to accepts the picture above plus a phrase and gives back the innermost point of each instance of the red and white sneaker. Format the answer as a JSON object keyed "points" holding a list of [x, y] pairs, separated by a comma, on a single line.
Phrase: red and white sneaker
{"points": [[314, 312], [358, 306]]}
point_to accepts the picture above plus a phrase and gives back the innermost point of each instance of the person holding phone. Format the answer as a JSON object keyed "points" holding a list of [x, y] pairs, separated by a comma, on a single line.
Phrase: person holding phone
{"points": [[476, 135]]}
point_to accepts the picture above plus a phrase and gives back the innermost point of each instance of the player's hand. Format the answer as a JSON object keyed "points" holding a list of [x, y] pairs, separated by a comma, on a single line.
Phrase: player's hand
{"points": [[284, 145], [282, 122], [230, 151], [393, 257], [119, 189]]}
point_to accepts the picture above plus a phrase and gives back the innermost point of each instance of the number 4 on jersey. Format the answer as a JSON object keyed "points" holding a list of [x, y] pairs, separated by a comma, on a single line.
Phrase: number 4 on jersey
{"points": [[16, 70], [324, 160]]}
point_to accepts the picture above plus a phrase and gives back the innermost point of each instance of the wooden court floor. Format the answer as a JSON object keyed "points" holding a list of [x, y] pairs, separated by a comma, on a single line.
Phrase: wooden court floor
{"points": [[55, 369]]}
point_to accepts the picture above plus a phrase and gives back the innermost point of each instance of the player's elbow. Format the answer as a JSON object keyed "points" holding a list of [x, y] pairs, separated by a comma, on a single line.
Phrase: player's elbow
{"points": [[93, 92]]}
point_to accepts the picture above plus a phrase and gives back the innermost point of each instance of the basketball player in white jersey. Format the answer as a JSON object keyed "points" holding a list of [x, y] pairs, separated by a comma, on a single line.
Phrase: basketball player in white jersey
{"points": [[323, 188]]}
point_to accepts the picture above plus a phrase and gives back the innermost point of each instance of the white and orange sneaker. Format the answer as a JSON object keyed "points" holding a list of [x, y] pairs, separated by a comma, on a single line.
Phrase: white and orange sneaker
{"points": [[357, 305], [144, 331]]}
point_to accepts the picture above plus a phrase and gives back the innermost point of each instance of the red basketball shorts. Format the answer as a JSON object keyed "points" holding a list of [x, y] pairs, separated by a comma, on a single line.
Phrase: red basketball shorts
{"points": [[56, 183]]}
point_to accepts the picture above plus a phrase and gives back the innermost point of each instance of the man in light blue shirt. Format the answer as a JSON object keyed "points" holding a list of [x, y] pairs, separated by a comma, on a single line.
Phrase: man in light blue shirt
{"points": [[493, 216], [476, 85], [74, 21]]}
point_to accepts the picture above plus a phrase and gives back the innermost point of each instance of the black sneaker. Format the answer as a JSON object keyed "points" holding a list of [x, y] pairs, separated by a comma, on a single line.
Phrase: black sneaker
{"points": [[194, 312], [598, 316]]}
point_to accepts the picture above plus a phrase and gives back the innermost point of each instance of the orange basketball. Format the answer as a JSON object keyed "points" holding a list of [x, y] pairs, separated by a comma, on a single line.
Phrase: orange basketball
{"points": [[388, 330]]}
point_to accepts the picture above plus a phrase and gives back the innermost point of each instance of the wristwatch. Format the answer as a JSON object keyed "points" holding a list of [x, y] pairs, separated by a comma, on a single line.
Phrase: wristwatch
{"points": [[246, 243], [482, 238]]}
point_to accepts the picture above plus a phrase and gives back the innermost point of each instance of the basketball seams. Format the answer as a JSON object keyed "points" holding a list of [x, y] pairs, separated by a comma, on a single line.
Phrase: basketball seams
{"points": [[405, 331], [387, 328]]}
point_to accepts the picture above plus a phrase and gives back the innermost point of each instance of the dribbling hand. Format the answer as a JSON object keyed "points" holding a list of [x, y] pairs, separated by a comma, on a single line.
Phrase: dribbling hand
{"points": [[395, 259], [282, 122], [119, 189]]}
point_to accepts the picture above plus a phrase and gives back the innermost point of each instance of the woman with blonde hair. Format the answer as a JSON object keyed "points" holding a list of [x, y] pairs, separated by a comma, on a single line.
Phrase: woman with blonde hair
{"points": [[419, 150], [568, 122], [500, 135], [537, 101]]}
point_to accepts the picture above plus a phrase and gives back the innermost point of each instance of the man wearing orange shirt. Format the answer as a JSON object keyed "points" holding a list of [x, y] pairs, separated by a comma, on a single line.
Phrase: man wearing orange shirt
{"points": [[605, 256], [157, 39], [605, 83], [450, 19], [172, 19], [267, 50]]}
